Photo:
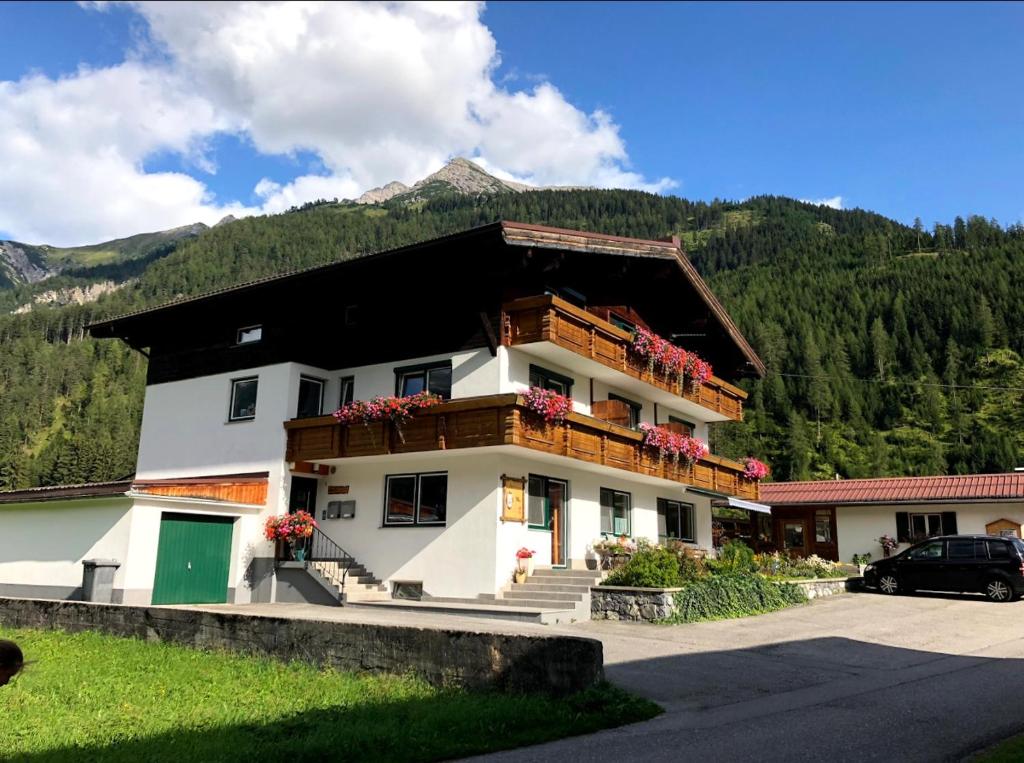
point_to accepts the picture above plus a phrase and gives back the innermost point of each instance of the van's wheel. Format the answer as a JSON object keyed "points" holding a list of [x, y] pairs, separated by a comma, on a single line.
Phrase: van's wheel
{"points": [[997, 589], [889, 584]]}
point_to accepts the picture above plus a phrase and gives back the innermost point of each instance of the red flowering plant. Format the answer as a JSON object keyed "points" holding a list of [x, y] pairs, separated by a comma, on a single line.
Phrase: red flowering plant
{"points": [[754, 469], [397, 410], [686, 367], [681, 448], [289, 527], [548, 404], [525, 553]]}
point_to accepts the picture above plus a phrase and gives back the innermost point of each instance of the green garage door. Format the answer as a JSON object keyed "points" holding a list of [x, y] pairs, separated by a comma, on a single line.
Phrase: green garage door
{"points": [[192, 560]]}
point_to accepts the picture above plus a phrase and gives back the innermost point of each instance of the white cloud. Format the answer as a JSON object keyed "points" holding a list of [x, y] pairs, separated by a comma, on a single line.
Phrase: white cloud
{"points": [[377, 91], [836, 202]]}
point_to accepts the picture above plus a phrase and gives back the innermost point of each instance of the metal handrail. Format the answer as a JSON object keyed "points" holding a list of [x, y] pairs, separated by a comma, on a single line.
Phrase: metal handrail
{"points": [[320, 548]]}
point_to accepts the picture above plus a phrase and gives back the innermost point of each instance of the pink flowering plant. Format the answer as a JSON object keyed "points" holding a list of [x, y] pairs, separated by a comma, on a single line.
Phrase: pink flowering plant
{"points": [[395, 409], [548, 404], [681, 448], [674, 362], [888, 543], [525, 553], [289, 527], [754, 469]]}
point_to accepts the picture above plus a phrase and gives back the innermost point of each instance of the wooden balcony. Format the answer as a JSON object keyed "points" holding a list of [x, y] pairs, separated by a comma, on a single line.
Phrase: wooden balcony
{"points": [[503, 420], [551, 319]]}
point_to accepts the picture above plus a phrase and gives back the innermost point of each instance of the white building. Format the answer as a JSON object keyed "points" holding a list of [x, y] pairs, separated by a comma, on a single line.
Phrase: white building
{"points": [[236, 426], [839, 518]]}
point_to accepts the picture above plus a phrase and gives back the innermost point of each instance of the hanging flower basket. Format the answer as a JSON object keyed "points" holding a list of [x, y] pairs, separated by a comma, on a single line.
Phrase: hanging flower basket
{"points": [[671, 446], [294, 529], [688, 368], [548, 404], [397, 410], [754, 469]]}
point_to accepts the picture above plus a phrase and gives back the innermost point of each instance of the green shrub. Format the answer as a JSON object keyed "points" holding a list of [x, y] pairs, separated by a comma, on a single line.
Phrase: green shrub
{"points": [[734, 558], [729, 595], [650, 567]]}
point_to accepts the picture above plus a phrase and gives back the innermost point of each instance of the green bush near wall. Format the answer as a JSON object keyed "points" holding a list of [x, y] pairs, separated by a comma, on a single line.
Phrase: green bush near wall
{"points": [[650, 567], [727, 595]]}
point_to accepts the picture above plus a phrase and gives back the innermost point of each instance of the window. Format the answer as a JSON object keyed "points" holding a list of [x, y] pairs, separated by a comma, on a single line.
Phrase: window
{"points": [[962, 549], [622, 323], [569, 295], [634, 409], [998, 549], [793, 535], [687, 426], [545, 497], [434, 377], [243, 399], [311, 397], [545, 379], [348, 389], [823, 526], [925, 526], [416, 499], [929, 551], [615, 506], [675, 520], [248, 335]]}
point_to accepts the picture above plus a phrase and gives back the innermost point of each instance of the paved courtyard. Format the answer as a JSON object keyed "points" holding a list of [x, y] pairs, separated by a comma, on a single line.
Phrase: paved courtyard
{"points": [[859, 677]]}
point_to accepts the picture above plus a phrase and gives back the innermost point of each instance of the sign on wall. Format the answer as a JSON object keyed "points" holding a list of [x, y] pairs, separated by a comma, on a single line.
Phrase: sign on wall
{"points": [[1005, 527], [513, 502]]}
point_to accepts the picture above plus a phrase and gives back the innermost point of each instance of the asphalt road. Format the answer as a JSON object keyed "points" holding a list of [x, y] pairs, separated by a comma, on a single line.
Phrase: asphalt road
{"points": [[860, 677]]}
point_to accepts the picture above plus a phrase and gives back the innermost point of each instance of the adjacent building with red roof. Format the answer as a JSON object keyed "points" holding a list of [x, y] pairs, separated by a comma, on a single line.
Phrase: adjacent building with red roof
{"points": [[839, 518]]}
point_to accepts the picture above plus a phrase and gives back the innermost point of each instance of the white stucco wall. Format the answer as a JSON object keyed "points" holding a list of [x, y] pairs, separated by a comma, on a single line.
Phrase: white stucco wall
{"points": [[859, 527], [475, 552], [44, 543]]}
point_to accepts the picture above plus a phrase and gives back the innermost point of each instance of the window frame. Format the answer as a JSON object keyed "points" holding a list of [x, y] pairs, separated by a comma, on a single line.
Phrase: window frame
{"points": [[320, 404], [546, 527], [238, 335], [418, 479], [231, 402], [926, 515], [547, 376], [621, 323], [401, 372], [636, 409], [351, 382], [629, 512], [666, 503]]}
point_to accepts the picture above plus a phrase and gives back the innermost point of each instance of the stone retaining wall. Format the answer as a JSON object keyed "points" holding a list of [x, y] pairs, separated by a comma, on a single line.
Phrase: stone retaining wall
{"points": [[651, 604], [554, 664], [624, 603]]}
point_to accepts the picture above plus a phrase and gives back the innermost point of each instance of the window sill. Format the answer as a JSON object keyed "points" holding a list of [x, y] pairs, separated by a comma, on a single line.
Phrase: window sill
{"points": [[539, 528], [240, 421], [426, 525]]}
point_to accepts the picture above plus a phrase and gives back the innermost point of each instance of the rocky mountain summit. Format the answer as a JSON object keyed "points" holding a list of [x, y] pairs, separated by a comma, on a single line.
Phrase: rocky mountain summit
{"points": [[459, 176]]}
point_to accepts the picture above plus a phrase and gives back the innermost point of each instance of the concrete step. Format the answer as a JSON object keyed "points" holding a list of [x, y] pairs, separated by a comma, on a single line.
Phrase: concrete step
{"points": [[553, 587], [360, 595], [516, 593], [471, 608], [564, 580]]}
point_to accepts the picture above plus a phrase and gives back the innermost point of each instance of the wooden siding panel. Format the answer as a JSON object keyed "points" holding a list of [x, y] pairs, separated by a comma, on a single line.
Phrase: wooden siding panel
{"points": [[247, 492]]}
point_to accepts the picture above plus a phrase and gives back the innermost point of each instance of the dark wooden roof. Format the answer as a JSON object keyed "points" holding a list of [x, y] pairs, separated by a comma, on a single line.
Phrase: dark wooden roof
{"points": [[470, 253]]}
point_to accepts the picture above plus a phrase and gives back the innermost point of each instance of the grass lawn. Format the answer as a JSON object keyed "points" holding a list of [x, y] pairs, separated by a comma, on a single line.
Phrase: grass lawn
{"points": [[95, 697], [1010, 751]]}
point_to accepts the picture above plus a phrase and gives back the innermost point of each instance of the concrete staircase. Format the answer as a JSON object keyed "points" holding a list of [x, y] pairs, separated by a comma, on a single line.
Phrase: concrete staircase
{"points": [[359, 584], [549, 596]]}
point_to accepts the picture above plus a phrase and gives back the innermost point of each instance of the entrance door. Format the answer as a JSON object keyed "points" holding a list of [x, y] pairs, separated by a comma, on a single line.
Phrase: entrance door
{"points": [[192, 559], [557, 511], [303, 495]]}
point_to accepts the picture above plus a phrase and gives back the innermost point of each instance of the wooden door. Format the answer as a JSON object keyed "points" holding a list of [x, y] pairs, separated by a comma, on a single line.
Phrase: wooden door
{"points": [[795, 536]]}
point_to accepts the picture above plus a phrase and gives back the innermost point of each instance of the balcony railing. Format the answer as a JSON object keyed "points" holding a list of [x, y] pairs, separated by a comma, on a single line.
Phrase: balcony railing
{"points": [[503, 420], [550, 319]]}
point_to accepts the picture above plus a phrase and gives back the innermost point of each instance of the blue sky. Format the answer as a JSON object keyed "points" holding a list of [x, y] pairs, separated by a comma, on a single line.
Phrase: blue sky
{"points": [[906, 109]]}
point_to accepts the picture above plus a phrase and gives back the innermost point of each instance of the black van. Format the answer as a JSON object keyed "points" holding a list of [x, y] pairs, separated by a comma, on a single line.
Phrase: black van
{"points": [[984, 564]]}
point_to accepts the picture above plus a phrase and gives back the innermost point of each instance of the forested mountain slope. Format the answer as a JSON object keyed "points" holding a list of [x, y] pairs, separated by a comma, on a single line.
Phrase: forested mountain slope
{"points": [[892, 350]]}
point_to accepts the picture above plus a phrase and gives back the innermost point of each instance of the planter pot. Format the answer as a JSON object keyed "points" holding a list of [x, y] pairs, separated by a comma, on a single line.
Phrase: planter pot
{"points": [[525, 566], [299, 553], [862, 567], [519, 576]]}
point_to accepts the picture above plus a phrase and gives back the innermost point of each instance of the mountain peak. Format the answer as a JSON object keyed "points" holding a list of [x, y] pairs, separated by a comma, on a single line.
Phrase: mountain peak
{"points": [[459, 175]]}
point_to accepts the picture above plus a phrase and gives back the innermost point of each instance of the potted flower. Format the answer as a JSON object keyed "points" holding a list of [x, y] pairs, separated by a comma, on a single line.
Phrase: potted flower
{"points": [[293, 529], [547, 404], [615, 552], [888, 544], [755, 470], [524, 564], [861, 560]]}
